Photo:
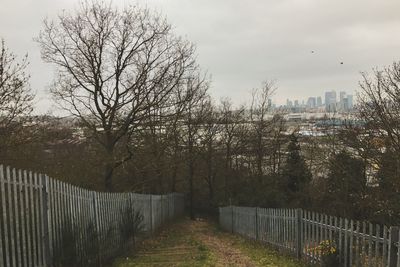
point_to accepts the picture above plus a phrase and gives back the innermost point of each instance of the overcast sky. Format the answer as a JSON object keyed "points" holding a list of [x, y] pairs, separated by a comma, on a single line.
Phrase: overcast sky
{"points": [[243, 42]]}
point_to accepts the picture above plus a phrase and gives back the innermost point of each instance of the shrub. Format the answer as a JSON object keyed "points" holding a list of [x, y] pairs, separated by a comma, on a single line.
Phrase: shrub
{"points": [[131, 225]]}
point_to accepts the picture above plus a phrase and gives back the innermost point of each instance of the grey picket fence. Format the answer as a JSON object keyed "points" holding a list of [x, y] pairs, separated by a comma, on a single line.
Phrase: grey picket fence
{"points": [[308, 235], [35, 211]]}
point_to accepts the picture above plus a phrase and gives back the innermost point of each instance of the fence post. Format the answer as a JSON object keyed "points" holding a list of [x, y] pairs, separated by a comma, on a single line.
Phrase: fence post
{"points": [[97, 224], [162, 209], [95, 211], [299, 228], [168, 213], [151, 214], [232, 230], [46, 219], [256, 223], [393, 240]]}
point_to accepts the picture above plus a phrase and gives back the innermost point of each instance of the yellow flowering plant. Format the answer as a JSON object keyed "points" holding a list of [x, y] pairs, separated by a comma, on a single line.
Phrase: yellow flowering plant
{"points": [[326, 247], [328, 253]]}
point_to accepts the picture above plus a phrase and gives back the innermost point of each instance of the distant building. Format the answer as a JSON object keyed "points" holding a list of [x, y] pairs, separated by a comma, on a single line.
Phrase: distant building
{"points": [[294, 117], [311, 102], [296, 103], [342, 97], [319, 101], [350, 102], [344, 104], [330, 101]]}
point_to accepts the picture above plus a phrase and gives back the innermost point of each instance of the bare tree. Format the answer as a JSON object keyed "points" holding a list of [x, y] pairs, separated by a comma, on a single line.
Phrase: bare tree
{"points": [[114, 67], [379, 103], [261, 124], [276, 141], [186, 96], [208, 138], [231, 123], [15, 94], [192, 119]]}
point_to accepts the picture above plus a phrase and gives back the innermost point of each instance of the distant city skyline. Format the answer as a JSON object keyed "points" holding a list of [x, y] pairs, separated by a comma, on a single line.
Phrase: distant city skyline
{"points": [[320, 99], [330, 103], [279, 99]]}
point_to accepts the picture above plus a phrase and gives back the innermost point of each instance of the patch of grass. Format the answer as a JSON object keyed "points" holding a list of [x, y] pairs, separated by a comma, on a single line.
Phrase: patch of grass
{"points": [[180, 245], [174, 246], [261, 254]]}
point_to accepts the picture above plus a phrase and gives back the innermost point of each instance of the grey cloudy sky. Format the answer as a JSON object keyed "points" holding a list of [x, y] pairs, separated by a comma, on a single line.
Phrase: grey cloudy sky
{"points": [[243, 42]]}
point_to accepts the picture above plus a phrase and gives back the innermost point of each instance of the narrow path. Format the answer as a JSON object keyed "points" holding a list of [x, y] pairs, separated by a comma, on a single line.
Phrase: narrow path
{"points": [[200, 243], [225, 254]]}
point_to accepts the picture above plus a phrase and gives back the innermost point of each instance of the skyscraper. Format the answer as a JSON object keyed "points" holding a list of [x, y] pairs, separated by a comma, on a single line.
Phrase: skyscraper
{"points": [[319, 101], [342, 97], [344, 104], [311, 102], [350, 101], [330, 101]]}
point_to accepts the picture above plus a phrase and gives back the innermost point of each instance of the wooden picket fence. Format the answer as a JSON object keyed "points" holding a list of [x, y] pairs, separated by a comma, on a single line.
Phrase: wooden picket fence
{"points": [[314, 237], [36, 213]]}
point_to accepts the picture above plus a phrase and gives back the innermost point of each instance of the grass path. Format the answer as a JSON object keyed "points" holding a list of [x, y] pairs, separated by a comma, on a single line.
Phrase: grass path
{"points": [[200, 243]]}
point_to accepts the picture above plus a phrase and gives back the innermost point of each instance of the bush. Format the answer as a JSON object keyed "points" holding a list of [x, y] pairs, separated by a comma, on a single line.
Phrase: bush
{"points": [[84, 246], [130, 226]]}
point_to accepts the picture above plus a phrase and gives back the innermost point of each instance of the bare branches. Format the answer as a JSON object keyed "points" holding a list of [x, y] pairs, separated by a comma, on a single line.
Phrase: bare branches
{"points": [[260, 104], [379, 103], [15, 95], [262, 125], [115, 66]]}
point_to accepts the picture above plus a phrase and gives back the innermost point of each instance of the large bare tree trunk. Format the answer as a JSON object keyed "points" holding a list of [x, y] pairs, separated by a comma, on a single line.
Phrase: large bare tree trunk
{"points": [[108, 174]]}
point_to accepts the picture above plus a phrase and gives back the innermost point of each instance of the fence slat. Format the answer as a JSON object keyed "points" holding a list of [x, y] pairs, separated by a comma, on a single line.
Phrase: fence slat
{"points": [[1, 223], [393, 239], [370, 245], [51, 205], [385, 245], [5, 217], [11, 217], [16, 218], [377, 234], [306, 243], [60, 212], [39, 218], [351, 243], [45, 217], [357, 246], [346, 246], [22, 217], [398, 250], [336, 231], [28, 219]]}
